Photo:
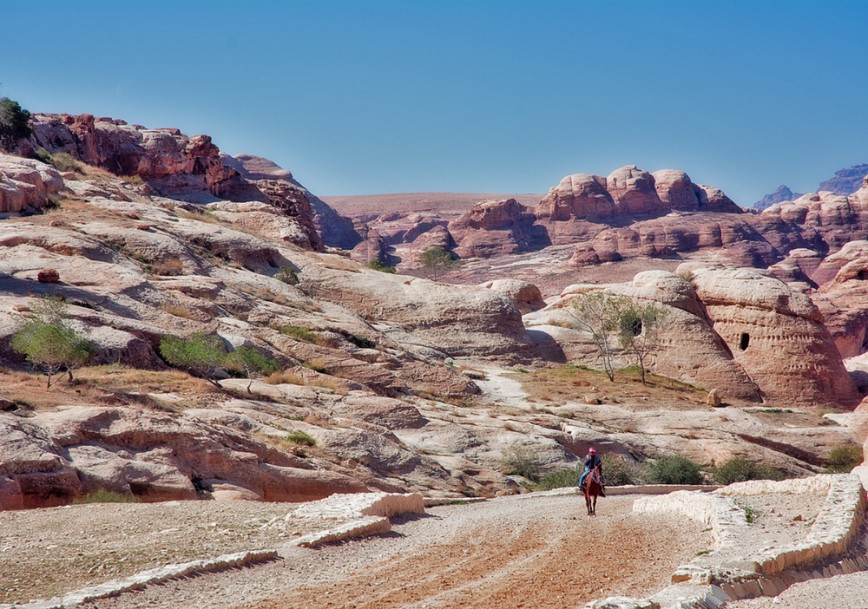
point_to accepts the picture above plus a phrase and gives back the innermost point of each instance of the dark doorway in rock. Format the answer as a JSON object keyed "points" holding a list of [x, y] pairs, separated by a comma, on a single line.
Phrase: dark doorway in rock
{"points": [[744, 341]]}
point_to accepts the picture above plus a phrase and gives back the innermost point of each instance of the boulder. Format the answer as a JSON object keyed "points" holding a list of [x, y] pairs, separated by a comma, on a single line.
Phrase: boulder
{"points": [[26, 184], [526, 296]]}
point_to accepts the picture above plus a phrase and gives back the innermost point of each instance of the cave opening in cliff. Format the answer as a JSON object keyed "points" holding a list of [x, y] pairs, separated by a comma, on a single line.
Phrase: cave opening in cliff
{"points": [[744, 341]]}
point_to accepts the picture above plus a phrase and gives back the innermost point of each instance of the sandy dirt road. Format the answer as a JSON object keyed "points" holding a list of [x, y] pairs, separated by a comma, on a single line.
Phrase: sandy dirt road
{"points": [[505, 553]]}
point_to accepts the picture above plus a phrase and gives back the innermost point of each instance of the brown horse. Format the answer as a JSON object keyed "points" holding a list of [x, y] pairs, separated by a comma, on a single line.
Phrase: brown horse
{"points": [[591, 489]]}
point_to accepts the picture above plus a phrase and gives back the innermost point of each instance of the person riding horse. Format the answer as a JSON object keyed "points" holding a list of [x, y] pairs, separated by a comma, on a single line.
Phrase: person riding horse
{"points": [[591, 461]]}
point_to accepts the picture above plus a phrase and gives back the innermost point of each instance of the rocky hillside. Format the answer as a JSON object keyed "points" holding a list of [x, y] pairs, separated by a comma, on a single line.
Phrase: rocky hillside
{"points": [[385, 381]]}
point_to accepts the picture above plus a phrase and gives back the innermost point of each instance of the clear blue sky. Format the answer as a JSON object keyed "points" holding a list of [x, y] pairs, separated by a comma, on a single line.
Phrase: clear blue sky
{"points": [[387, 96]]}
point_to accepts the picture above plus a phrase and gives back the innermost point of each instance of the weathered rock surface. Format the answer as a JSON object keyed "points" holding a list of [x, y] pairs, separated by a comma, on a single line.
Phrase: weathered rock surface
{"points": [[842, 298], [457, 320], [180, 166], [26, 184], [60, 455]]}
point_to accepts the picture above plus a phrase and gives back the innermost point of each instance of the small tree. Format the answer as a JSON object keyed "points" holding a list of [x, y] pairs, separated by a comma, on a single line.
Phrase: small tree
{"points": [[639, 331], [14, 123], [47, 341], [599, 315], [202, 354], [251, 362], [436, 261], [675, 470]]}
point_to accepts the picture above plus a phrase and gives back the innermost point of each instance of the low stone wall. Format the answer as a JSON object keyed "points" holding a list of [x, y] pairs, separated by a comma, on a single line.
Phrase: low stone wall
{"points": [[149, 577], [724, 575]]}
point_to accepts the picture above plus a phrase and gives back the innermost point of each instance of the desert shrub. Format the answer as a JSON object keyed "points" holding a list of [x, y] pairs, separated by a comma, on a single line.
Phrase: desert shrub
{"points": [[170, 267], [560, 479], [48, 342], [298, 333], [14, 123], [202, 354], [358, 341], [251, 362], [619, 471], [674, 470], [284, 378], [63, 161], [436, 261], [105, 496], [287, 275], [520, 460], [739, 470], [843, 458], [379, 266], [302, 438]]}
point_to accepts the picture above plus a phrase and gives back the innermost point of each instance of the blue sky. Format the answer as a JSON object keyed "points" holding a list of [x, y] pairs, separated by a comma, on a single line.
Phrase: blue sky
{"points": [[361, 97]]}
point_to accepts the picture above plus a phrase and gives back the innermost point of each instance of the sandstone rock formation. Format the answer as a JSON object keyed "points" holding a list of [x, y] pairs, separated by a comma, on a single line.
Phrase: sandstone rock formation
{"points": [[172, 159], [737, 330], [493, 227], [842, 298], [776, 335], [457, 320], [26, 184], [526, 296], [181, 166], [149, 456], [690, 349]]}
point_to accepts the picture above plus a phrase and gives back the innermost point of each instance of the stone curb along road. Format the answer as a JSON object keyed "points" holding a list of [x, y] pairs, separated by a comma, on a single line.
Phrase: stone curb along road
{"points": [[708, 582], [368, 514]]}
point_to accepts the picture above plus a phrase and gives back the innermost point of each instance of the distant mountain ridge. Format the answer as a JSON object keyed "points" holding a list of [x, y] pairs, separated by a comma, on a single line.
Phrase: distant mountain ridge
{"points": [[845, 182]]}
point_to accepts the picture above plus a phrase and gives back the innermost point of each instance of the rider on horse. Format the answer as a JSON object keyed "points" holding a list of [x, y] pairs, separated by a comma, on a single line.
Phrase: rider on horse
{"points": [[592, 461]]}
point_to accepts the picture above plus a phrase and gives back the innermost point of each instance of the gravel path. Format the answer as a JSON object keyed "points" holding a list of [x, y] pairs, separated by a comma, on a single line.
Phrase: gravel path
{"points": [[507, 553], [779, 519], [48, 552]]}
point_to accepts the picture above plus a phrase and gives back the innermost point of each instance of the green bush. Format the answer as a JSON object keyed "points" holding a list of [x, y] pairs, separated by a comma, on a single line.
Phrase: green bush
{"points": [[300, 437], [14, 123], [560, 479], [843, 458], [250, 362], [63, 161], [201, 354], [105, 496], [520, 460], [619, 471], [674, 470], [379, 266], [739, 470]]}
